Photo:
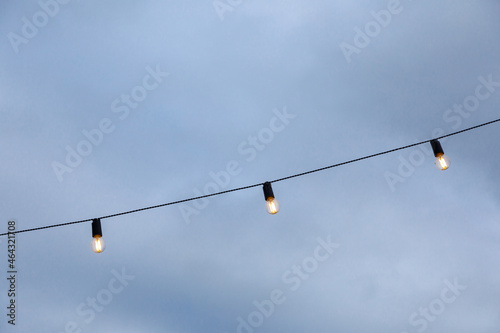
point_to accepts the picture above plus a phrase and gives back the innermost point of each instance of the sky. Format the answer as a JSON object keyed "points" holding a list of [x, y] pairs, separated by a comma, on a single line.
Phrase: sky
{"points": [[110, 107]]}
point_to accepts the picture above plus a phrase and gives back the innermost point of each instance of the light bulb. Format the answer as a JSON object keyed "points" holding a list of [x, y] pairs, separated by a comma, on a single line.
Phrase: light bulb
{"points": [[272, 205], [442, 162], [98, 244]]}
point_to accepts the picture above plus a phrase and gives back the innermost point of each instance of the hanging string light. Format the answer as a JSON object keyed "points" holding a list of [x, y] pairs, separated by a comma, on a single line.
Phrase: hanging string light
{"points": [[98, 245], [272, 205], [442, 161]]}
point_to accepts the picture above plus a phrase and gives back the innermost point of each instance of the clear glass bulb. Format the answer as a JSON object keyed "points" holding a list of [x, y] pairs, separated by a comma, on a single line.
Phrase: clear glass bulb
{"points": [[272, 205], [98, 244], [442, 162]]}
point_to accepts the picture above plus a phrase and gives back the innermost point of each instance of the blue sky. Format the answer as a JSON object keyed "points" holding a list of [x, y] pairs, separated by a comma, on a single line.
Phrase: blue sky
{"points": [[111, 107]]}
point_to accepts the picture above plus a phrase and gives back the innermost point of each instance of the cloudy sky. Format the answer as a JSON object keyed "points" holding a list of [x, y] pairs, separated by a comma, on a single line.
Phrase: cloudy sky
{"points": [[110, 107]]}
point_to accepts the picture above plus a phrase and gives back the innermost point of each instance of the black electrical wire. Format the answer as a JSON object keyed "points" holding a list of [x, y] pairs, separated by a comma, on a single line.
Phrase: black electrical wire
{"points": [[255, 185]]}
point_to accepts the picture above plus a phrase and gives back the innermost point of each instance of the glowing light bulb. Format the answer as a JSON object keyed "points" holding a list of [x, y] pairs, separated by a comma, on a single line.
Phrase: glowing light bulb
{"points": [[98, 244], [442, 162], [272, 205]]}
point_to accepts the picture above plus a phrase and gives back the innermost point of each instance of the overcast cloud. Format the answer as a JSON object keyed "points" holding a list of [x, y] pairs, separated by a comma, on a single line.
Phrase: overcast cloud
{"points": [[108, 107]]}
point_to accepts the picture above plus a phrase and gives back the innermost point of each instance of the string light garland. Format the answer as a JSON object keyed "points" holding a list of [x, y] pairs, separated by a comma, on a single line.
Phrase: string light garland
{"points": [[272, 205]]}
